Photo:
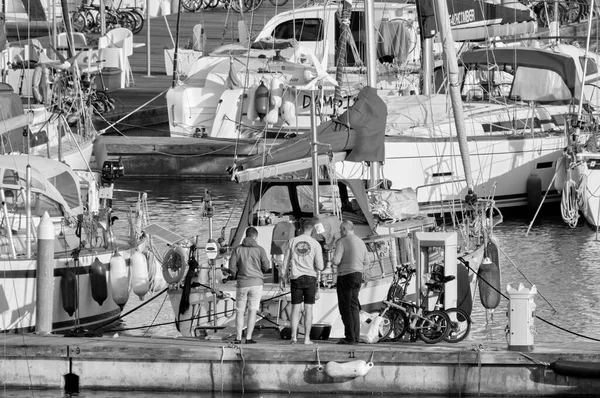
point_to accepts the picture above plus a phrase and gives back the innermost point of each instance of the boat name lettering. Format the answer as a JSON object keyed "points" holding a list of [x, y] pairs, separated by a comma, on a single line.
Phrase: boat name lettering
{"points": [[328, 101], [462, 17]]}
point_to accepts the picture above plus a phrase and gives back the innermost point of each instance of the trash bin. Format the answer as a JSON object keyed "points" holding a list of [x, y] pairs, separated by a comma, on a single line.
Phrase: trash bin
{"points": [[111, 78]]}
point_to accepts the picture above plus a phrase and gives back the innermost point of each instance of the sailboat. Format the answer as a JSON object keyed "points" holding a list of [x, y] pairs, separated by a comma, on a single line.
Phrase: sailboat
{"points": [[577, 170], [202, 298], [53, 117]]}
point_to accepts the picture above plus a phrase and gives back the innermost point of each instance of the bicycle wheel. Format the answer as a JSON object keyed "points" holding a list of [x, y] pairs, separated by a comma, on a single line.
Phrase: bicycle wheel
{"points": [[139, 21], [79, 22], [393, 326], [126, 20], [460, 325], [278, 3], [192, 5], [434, 327]]}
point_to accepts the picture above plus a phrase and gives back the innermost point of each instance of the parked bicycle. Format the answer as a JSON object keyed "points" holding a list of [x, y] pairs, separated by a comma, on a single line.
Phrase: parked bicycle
{"points": [[235, 5], [401, 316], [87, 18]]}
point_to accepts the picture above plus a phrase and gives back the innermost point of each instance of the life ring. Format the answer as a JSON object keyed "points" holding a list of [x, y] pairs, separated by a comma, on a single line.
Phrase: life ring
{"points": [[40, 85], [174, 266]]}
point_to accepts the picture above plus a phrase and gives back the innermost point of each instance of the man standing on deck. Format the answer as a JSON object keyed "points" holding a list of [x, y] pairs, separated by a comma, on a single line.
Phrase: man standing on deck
{"points": [[351, 258], [248, 262], [304, 258]]}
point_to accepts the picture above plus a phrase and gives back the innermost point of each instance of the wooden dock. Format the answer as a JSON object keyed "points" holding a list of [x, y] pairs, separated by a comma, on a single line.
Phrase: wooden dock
{"points": [[469, 368]]}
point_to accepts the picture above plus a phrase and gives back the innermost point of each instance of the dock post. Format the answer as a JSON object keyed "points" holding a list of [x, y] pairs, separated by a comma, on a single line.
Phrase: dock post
{"points": [[44, 276]]}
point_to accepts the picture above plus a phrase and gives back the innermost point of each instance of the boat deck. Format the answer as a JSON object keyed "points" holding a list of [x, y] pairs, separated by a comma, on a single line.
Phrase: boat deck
{"points": [[188, 364]]}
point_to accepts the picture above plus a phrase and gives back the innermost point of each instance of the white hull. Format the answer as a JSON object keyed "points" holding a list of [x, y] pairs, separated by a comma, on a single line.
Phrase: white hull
{"points": [[276, 304], [586, 178], [18, 294]]}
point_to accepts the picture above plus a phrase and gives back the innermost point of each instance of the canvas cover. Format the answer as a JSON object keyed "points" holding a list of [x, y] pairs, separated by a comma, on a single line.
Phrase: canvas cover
{"points": [[360, 130]]}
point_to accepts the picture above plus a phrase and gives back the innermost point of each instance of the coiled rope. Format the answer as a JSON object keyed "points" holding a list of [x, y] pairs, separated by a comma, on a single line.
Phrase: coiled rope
{"points": [[569, 206]]}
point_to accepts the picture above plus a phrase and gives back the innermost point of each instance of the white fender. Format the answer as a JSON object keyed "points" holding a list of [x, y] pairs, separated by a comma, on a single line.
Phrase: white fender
{"points": [[251, 111], [40, 85], [174, 266], [119, 279], [272, 116], [276, 92], [288, 107], [350, 369], [140, 281], [561, 174]]}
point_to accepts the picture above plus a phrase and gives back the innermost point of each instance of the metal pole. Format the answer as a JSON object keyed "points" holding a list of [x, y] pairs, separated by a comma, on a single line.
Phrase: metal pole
{"points": [[427, 65], [315, 152], [102, 18], [28, 210], [371, 73], [175, 54], [148, 37]]}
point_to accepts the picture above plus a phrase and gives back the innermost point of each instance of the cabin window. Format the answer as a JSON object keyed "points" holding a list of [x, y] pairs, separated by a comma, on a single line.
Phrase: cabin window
{"points": [[540, 85], [12, 177], [592, 67], [329, 198], [300, 30], [15, 200], [276, 200]]}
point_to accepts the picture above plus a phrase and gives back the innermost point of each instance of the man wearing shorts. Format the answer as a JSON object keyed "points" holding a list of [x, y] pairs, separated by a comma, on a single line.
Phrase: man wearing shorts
{"points": [[304, 258], [248, 262]]}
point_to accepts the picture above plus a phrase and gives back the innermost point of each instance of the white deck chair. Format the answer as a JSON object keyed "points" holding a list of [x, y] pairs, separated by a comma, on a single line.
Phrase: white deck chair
{"points": [[123, 38]]}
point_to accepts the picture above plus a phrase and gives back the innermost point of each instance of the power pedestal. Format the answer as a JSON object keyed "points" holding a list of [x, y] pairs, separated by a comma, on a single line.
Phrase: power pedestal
{"points": [[521, 314]]}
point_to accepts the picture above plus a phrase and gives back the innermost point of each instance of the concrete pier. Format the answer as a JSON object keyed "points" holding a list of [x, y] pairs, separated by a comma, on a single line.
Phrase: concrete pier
{"points": [[468, 368]]}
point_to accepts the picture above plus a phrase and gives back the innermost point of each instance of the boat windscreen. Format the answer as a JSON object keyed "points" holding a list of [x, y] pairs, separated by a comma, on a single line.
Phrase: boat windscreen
{"points": [[67, 187]]}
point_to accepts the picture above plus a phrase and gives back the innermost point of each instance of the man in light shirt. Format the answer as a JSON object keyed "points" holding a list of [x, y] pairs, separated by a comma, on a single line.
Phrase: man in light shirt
{"points": [[304, 258]]}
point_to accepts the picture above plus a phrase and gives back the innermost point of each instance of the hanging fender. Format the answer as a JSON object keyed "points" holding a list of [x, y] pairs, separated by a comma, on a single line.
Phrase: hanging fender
{"points": [[261, 100], [251, 110], [276, 96], [174, 266], [119, 280], [68, 290], [140, 281], [489, 288], [348, 370], [98, 281], [561, 173], [40, 85], [288, 107]]}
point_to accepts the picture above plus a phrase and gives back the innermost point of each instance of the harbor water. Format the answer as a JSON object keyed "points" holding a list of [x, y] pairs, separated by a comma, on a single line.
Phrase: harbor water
{"points": [[562, 262]]}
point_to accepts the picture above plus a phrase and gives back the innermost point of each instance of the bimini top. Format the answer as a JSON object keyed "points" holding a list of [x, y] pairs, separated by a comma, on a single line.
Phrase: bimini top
{"points": [[564, 65], [54, 180]]}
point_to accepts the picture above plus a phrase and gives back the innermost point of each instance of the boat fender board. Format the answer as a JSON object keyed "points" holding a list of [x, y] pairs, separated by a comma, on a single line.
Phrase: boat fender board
{"points": [[348, 370], [589, 370], [251, 111], [288, 107], [98, 281]]}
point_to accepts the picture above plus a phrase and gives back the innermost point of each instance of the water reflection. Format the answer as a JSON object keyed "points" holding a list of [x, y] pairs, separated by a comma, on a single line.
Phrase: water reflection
{"points": [[562, 262]]}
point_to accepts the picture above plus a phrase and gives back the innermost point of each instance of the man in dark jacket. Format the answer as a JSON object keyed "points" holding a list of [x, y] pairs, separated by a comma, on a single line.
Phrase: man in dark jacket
{"points": [[248, 262]]}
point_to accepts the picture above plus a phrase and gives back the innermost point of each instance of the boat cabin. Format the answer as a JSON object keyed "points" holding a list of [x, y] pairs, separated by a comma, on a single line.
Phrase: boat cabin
{"points": [[275, 203], [528, 74]]}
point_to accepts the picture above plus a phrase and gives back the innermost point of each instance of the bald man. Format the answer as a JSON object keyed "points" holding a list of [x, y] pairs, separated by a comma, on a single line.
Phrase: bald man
{"points": [[351, 257]]}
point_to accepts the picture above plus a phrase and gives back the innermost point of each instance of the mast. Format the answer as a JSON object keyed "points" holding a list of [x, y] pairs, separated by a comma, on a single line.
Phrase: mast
{"points": [[371, 73], [451, 65], [175, 53]]}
